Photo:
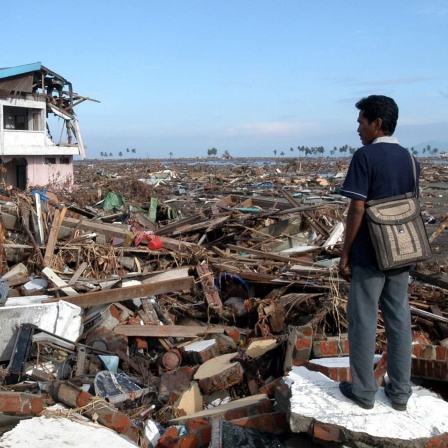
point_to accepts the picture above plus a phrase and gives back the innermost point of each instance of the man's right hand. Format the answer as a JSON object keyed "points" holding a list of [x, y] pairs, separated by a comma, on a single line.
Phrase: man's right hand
{"points": [[344, 268]]}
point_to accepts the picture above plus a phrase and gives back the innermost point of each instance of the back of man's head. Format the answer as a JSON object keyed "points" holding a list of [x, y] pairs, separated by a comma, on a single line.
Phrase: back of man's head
{"points": [[380, 106]]}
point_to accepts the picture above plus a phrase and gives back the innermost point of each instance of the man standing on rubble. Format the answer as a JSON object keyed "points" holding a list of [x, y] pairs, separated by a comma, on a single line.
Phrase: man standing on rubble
{"points": [[379, 169]]}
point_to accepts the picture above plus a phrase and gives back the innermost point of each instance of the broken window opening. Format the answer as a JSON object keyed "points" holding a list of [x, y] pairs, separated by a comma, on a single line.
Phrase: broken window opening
{"points": [[50, 160], [22, 119]]}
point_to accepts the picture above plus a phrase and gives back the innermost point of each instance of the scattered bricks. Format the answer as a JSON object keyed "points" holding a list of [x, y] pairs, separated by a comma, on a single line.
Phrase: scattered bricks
{"points": [[188, 441], [201, 351], [21, 403], [430, 361], [166, 441], [441, 352], [327, 432], [270, 388], [440, 441], [173, 384], [219, 373], [102, 338], [435, 352], [273, 423], [172, 432], [233, 333], [331, 347], [282, 397], [299, 346], [202, 429], [338, 369], [419, 338], [429, 369]]}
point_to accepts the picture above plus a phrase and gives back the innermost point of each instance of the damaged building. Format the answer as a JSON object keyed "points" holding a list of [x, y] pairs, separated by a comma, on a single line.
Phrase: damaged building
{"points": [[39, 131]]}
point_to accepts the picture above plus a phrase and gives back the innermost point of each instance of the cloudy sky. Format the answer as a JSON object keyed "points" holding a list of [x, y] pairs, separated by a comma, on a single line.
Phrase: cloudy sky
{"points": [[246, 76]]}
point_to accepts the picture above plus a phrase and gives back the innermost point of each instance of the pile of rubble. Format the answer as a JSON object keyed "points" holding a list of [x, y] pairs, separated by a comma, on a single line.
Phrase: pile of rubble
{"points": [[174, 304]]}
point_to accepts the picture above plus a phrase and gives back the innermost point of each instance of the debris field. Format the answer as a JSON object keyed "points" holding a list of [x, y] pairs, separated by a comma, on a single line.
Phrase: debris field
{"points": [[169, 300]]}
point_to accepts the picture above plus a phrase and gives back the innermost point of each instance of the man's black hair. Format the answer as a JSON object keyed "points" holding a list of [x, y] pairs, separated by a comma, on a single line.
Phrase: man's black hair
{"points": [[380, 106]]}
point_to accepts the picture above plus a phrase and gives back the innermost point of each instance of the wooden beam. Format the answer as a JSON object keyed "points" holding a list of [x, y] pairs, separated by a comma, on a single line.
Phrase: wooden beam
{"points": [[165, 331], [107, 229], [130, 292], [429, 279], [269, 255]]}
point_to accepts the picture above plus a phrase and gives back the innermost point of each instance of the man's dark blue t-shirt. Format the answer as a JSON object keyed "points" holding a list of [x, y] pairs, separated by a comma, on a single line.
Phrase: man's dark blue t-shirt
{"points": [[377, 171]]}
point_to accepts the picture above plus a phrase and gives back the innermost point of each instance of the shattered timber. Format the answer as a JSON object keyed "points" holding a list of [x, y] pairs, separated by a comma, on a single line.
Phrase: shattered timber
{"points": [[197, 303]]}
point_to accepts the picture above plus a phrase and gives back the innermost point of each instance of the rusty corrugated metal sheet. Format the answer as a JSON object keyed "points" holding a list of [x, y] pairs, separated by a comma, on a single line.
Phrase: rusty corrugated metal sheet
{"points": [[18, 84]]}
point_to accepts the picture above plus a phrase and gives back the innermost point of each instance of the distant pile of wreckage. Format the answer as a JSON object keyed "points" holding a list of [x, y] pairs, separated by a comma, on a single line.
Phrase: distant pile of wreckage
{"points": [[198, 305]]}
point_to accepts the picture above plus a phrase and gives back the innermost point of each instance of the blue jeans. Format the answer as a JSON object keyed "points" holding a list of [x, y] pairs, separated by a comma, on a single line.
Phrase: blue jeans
{"points": [[369, 287]]}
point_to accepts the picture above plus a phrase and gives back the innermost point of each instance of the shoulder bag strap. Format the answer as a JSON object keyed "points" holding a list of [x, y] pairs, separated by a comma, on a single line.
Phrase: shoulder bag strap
{"points": [[414, 170]]}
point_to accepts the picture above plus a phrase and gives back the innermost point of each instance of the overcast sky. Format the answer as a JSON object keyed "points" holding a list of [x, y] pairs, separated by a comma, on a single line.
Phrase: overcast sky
{"points": [[246, 76]]}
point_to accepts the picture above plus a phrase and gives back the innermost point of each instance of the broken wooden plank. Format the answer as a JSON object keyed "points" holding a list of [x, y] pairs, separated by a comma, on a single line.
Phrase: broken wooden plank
{"points": [[429, 279], [208, 286], [131, 292], [442, 327], [165, 331], [269, 255], [52, 239], [172, 274], [59, 282], [106, 229], [77, 273], [428, 315]]}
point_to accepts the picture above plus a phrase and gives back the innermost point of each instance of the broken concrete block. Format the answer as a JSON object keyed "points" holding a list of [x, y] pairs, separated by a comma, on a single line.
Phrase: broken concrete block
{"points": [[16, 274], [273, 423], [219, 373], [21, 403], [201, 428], [190, 401], [316, 400], [299, 346], [60, 318], [174, 383], [333, 346], [270, 388], [38, 431], [430, 362], [201, 351], [259, 347], [338, 369]]}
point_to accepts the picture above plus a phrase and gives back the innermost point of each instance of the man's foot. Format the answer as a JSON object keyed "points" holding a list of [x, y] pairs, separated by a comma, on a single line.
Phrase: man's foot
{"points": [[395, 405], [346, 388]]}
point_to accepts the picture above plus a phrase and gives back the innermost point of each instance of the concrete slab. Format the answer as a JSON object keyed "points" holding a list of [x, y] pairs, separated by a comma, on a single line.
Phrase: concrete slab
{"points": [[41, 432], [316, 400], [60, 318]]}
